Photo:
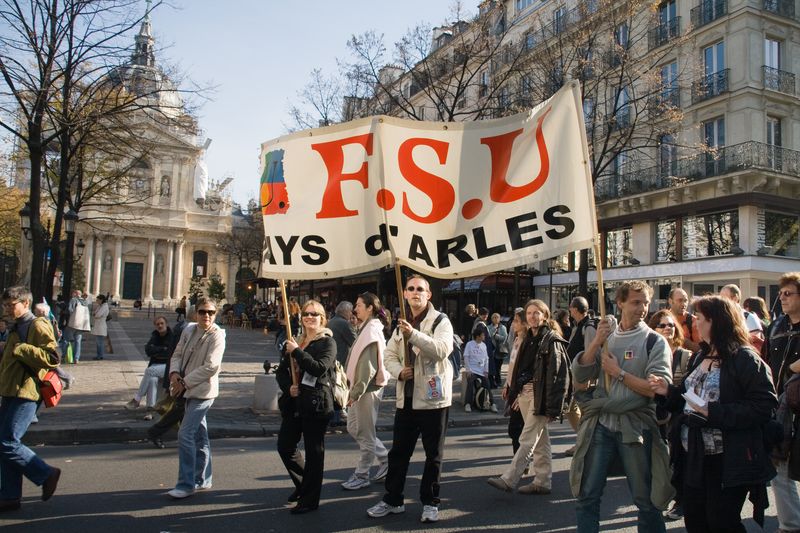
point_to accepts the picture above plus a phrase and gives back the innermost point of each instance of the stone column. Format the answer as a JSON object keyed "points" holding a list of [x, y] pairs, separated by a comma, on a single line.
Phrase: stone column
{"points": [[98, 266], [151, 268], [117, 274], [179, 271], [170, 270], [88, 262]]}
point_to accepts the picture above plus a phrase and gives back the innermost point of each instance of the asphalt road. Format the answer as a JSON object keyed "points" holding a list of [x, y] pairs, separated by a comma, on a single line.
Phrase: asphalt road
{"points": [[120, 488]]}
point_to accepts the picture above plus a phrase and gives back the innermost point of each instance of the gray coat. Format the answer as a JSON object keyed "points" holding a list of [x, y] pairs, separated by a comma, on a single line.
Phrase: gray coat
{"points": [[344, 334]]}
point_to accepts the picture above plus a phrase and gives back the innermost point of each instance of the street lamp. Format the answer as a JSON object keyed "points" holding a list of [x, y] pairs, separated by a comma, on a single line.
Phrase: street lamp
{"points": [[70, 219], [80, 247], [25, 220]]}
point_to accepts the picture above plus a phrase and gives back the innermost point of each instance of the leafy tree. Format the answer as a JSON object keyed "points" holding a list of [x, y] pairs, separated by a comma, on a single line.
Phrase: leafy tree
{"points": [[197, 287], [215, 288]]}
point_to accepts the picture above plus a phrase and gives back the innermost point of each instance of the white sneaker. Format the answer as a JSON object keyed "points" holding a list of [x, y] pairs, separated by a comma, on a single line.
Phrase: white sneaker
{"points": [[493, 408], [180, 494], [382, 509], [430, 513], [383, 469], [355, 482], [468, 408]]}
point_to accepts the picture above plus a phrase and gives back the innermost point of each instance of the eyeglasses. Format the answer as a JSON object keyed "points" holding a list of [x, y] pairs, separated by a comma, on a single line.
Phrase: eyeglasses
{"points": [[665, 325], [207, 312], [786, 293], [418, 289], [309, 313], [11, 303]]}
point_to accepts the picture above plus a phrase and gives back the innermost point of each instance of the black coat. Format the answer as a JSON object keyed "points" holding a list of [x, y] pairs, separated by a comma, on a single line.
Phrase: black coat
{"points": [[317, 360], [159, 348], [782, 348], [545, 358], [746, 403]]}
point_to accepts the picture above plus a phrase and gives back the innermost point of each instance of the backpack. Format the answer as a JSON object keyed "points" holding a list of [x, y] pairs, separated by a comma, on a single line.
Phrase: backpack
{"points": [[339, 385], [483, 399], [455, 354]]}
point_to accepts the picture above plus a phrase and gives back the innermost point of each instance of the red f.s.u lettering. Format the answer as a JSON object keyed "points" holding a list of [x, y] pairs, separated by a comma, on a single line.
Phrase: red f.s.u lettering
{"points": [[333, 156], [438, 189], [500, 147]]}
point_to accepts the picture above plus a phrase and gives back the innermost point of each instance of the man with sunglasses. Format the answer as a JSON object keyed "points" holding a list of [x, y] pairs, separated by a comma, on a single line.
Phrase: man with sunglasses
{"points": [[416, 356], [782, 349]]}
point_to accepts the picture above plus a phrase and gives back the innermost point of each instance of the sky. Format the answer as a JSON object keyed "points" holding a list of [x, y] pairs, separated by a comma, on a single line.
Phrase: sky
{"points": [[259, 55]]}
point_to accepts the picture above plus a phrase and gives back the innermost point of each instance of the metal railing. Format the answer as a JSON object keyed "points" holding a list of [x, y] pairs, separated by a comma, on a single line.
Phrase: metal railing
{"points": [[734, 158], [664, 32], [668, 99], [708, 11], [710, 86], [782, 8], [778, 80]]}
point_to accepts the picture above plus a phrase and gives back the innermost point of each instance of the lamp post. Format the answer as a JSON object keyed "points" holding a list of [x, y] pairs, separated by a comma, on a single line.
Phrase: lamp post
{"points": [[70, 219]]}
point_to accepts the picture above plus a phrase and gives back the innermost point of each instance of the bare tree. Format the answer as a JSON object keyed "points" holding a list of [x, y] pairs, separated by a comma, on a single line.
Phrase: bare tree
{"points": [[320, 103], [246, 242]]}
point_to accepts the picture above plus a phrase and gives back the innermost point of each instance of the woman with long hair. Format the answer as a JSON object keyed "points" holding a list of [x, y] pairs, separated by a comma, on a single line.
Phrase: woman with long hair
{"points": [[306, 407], [721, 406], [515, 420], [367, 377], [540, 378]]}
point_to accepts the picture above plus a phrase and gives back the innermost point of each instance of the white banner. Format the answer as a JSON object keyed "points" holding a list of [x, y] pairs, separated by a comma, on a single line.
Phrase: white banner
{"points": [[446, 199]]}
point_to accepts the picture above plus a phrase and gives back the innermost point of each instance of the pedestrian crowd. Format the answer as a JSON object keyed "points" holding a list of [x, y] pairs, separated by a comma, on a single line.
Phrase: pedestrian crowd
{"points": [[696, 404]]}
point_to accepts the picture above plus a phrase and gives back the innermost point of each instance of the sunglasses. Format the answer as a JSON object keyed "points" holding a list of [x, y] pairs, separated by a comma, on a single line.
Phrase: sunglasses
{"points": [[786, 293], [309, 313], [207, 312], [418, 289], [665, 325]]}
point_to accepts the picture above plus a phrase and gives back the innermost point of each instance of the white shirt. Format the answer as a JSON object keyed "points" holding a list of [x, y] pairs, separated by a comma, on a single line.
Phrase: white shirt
{"points": [[476, 358], [752, 322]]}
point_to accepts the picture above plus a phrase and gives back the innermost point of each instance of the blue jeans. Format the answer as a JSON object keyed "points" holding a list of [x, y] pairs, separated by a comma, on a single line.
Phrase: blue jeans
{"points": [[74, 337], [605, 447], [194, 449], [101, 345], [17, 459]]}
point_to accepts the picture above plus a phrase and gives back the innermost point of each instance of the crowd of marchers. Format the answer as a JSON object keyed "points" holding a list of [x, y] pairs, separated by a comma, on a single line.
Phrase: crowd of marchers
{"points": [[696, 404]]}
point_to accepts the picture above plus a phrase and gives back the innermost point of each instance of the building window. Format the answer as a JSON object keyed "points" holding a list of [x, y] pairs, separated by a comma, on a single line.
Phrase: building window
{"points": [[710, 235], [668, 156], [560, 19], [529, 40], [772, 53], [483, 89], [782, 234], [666, 241], [421, 112], [774, 152], [670, 92], [588, 111], [200, 264], [618, 247], [622, 109], [621, 35], [714, 136], [523, 4], [714, 58]]}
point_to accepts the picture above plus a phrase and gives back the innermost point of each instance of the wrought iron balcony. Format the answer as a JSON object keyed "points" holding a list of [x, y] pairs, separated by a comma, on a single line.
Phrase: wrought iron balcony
{"points": [[708, 11], [726, 160], [782, 8], [664, 32], [778, 80], [710, 86]]}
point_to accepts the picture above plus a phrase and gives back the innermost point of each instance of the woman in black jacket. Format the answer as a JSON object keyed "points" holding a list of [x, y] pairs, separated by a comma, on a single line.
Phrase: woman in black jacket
{"points": [[539, 378], [307, 406], [159, 350], [722, 404]]}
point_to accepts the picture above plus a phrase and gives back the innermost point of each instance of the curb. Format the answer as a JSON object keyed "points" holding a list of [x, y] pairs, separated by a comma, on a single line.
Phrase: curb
{"points": [[108, 435]]}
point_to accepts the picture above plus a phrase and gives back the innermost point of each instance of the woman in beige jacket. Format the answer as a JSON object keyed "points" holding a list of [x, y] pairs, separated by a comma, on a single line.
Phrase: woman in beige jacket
{"points": [[194, 376]]}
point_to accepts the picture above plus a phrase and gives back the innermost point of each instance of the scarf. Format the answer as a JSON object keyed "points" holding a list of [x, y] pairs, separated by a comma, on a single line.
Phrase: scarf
{"points": [[372, 331]]}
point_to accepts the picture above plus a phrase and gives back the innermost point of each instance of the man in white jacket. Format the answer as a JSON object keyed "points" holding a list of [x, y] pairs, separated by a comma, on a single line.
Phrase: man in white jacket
{"points": [[416, 356]]}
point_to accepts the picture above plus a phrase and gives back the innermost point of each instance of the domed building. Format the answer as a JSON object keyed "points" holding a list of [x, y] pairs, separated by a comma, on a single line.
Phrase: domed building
{"points": [[170, 216]]}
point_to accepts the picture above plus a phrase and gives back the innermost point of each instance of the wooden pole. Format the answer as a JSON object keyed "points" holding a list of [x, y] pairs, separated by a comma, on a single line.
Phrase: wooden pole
{"points": [[601, 296], [399, 279], [288, 325]]}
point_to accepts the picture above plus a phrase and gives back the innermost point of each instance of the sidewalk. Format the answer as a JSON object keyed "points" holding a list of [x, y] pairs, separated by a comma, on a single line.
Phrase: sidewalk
{"points": [[93, 411]]}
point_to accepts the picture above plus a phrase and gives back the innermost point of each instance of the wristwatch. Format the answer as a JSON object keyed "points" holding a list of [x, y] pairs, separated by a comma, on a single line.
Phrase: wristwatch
{"points": [[621, 376]]}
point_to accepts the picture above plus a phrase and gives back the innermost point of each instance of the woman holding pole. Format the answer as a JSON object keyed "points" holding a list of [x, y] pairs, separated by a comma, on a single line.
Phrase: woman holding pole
{"points": [[306, 405]]}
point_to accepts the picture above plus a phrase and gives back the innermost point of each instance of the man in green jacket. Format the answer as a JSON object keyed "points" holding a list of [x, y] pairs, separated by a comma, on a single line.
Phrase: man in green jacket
{"points": [[31, 347]]}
